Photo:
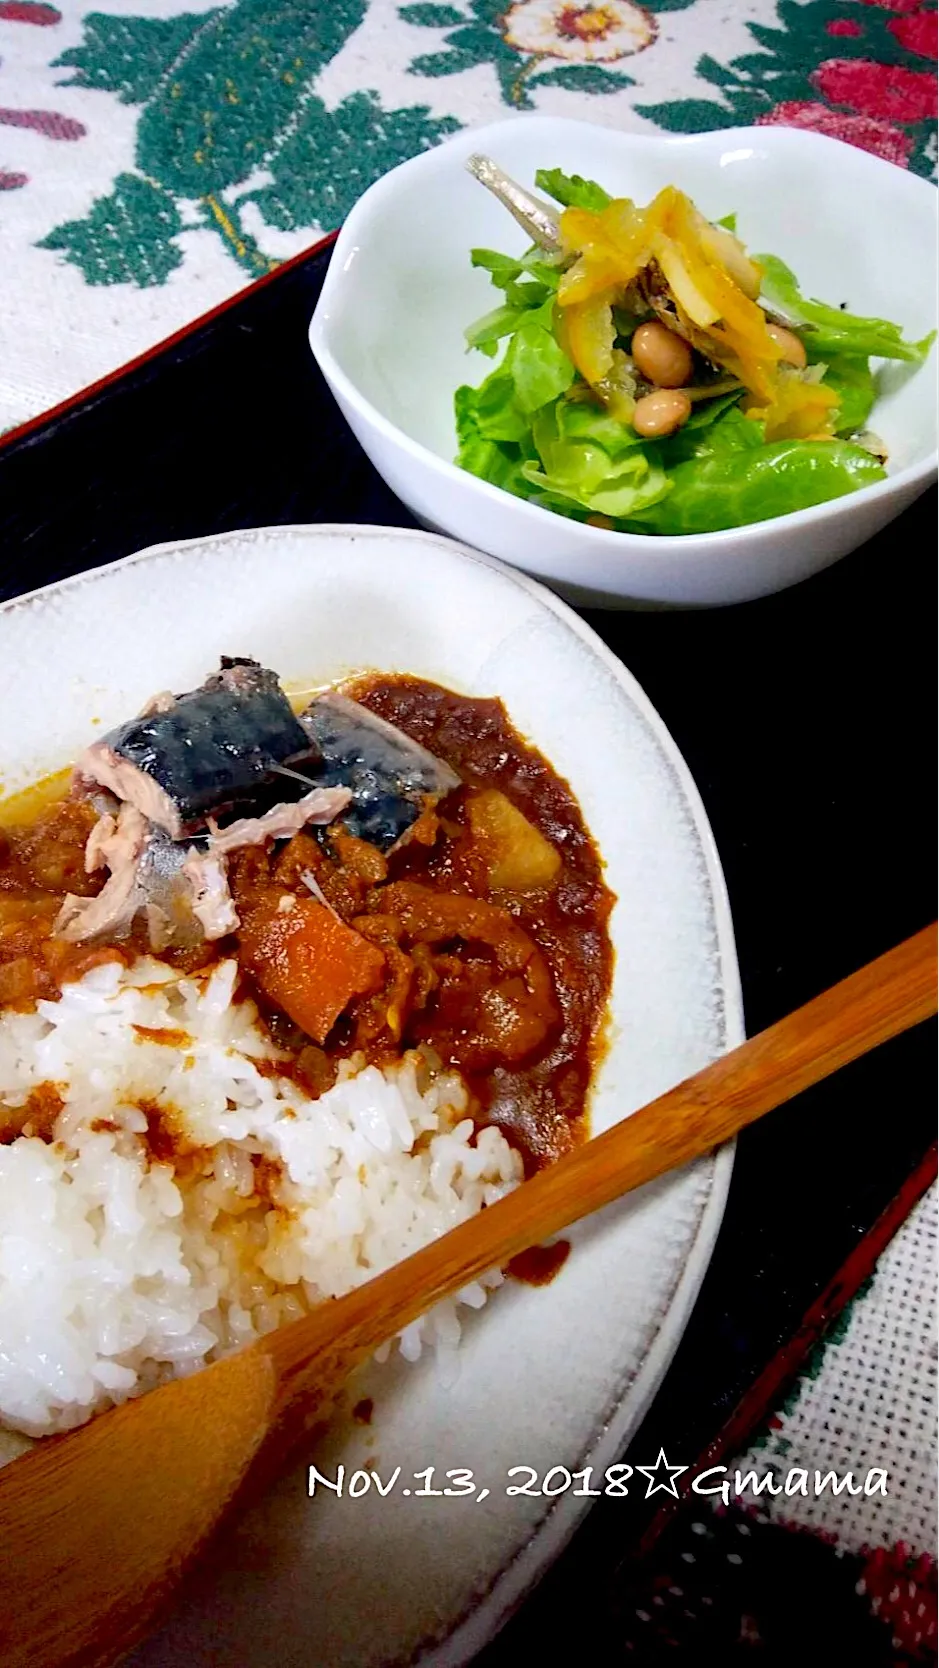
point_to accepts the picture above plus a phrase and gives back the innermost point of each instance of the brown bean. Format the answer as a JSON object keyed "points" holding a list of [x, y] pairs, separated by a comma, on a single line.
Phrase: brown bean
{"points": [[661, 413], [792, 350], [661, 356]]}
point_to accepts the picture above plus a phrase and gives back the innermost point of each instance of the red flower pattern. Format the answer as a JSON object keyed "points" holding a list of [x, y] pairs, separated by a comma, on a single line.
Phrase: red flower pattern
{"points": [[901, 1590], [844, 26], [917, 32], [29, 11], [51, 123], [48, 122], [878, 90], [866, 132]]}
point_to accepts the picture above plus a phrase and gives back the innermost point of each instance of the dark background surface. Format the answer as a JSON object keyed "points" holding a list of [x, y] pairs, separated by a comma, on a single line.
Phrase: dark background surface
{"points": [[807, 720]]}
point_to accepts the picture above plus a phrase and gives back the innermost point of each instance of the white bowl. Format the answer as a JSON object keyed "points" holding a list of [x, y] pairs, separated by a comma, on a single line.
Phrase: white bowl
{"points": [[388, 335], [554, 1378]]}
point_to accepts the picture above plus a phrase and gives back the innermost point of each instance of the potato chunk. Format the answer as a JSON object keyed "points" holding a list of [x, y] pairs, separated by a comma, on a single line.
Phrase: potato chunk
{"points": [[518, 858]]}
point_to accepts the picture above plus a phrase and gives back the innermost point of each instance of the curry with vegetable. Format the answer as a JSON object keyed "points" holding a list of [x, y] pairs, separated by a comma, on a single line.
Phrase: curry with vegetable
{"points": [[464, 912]]}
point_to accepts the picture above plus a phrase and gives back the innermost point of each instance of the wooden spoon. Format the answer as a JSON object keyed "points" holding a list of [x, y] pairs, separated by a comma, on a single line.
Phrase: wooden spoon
{"points": [[98, 1526]]}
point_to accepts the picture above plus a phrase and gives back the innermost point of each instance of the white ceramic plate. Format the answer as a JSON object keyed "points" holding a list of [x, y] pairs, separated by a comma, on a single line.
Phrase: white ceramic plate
{"points": [[556, 1376], [388, 328]]}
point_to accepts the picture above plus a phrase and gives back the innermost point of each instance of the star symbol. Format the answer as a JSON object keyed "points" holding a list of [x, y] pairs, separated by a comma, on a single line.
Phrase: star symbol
{"points": [[655, 1479]]}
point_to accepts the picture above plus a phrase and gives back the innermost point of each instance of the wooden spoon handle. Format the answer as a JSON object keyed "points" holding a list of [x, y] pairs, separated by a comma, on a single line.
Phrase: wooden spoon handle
{"points": [[883, 999]]}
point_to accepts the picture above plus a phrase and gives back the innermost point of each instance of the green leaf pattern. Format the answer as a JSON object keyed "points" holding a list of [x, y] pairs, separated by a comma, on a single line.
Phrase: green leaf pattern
{"points": [[127, 238], [232, 114], [130, 56], [224, 95], [359, 137]]}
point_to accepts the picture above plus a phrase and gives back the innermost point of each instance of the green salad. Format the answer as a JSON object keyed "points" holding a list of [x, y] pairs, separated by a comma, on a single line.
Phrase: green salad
{"points": [[654, 377]]}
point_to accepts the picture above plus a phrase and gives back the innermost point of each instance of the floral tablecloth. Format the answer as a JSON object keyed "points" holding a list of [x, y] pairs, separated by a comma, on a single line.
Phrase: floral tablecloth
{"points": [[160, 154]]}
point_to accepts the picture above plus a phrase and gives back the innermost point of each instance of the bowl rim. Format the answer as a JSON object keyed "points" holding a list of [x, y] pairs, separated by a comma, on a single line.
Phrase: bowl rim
{"points": [[350, 239]]}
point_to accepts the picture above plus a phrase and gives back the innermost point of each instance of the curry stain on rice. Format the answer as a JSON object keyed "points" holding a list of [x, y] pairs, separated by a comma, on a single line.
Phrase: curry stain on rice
{"points": [[311, 1070], [36, 1117], [268, 1175], [166, 1140], [168, 1035]]}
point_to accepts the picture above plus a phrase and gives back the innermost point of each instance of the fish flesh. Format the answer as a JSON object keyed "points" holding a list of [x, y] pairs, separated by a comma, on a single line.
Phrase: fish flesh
{"points": [[321, 805], [162, 779], [149, 880], [166, 897], [212, 902], [178, 889], [210, 751], [164, 701], [100, 844], [391, 778], [117, 845]]}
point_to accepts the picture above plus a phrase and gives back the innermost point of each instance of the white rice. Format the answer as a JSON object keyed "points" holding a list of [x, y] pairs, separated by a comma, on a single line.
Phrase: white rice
{"points": [[118, 1271]]}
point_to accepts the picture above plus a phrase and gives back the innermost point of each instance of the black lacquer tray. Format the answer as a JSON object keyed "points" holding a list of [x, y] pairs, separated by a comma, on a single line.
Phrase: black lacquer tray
{"points": [[807, 720]]}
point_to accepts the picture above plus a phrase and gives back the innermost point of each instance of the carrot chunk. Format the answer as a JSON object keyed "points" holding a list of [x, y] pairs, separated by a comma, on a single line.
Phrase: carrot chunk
{"points": [[309, 962]]}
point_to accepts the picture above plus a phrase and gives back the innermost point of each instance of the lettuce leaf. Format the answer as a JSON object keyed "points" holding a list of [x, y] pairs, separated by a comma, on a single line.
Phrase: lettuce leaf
{"points": [[716, 425], [571, 190], [507, 270], [527, 282], [495, 410], [854, 383], [486, 334], [535, 372], [568, 455], [490, 459], [756, 483], [592, 462], [539, 368], [835, 331]]}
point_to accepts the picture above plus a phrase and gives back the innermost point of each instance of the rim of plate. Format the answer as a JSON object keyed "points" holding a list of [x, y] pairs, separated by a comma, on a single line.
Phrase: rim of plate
{"points": [[510, 1585]]}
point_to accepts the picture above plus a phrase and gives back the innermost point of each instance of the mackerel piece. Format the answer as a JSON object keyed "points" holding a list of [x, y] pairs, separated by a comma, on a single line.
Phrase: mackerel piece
{"points": [[392, 778], [166, 895], [203, 753]]}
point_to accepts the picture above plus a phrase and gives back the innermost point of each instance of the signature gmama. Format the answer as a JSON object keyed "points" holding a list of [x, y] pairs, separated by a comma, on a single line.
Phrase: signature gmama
{"points": [[798, 1480]]}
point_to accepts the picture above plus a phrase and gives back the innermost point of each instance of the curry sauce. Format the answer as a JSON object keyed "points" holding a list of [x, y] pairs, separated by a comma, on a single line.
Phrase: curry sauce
{"points": [[540, 1101], [483, 932]]}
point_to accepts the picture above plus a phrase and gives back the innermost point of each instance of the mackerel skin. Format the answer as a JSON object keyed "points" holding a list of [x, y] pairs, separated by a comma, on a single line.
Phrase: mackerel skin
{"points": [[392, 778], [215, 748]]}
